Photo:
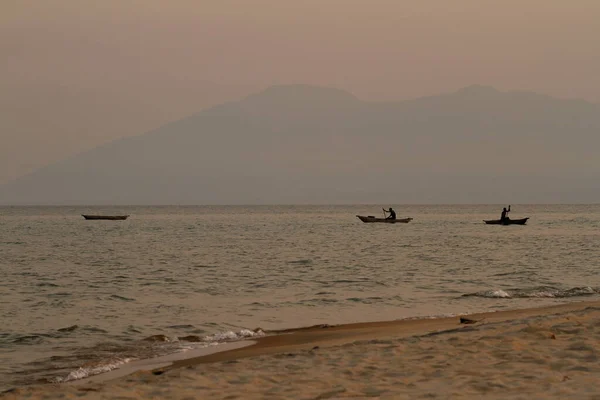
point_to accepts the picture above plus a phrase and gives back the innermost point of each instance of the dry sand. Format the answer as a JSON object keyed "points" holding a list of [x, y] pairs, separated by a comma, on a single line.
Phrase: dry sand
{"points": [[534, 353]]}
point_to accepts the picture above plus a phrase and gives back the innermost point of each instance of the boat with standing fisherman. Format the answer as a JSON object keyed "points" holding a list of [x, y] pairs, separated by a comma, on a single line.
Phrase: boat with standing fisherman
{"points": [[505, 220]]}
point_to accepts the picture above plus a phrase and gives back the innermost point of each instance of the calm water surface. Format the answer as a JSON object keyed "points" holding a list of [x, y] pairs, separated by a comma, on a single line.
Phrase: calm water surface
{"points": [[83, 297]]}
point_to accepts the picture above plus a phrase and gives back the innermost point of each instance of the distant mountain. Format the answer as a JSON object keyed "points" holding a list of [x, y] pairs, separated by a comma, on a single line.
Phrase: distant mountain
{"points": [[305, 144], [42, 122]]}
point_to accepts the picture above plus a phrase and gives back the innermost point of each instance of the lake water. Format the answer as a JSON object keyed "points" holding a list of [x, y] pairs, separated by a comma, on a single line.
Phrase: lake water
{"points": [[81, 297]]}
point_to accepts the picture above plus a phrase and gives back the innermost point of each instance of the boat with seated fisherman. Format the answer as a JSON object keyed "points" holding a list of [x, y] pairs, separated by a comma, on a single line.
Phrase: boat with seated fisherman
{"points": [[371, 218]]}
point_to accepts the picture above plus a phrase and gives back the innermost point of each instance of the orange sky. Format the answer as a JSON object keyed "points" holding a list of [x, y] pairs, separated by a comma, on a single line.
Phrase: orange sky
{"points": [[377, 49]]}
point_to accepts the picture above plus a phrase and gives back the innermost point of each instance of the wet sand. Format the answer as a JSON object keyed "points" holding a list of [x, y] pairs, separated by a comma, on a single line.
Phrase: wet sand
{"points": [[547, 352]]}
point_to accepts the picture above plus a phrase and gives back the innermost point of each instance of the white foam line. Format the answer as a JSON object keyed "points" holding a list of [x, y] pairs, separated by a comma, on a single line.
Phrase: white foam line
{"points": [[159, 362]]}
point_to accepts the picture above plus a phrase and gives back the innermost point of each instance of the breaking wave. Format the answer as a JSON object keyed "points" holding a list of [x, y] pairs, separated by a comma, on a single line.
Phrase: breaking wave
{"points": [[90, 370], [153, 346], [536, 292]]}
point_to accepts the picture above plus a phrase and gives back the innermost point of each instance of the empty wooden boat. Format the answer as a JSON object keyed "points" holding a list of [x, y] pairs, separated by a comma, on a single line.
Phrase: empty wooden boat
{"points": [[107, 217]]}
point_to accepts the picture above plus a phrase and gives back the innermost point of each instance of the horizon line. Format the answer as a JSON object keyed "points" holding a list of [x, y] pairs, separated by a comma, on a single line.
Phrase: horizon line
{"points": [[293, 204]]}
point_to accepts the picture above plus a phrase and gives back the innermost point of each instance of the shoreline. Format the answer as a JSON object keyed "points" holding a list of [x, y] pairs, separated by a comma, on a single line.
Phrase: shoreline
{"points": [[303, 338], [306, 343]]}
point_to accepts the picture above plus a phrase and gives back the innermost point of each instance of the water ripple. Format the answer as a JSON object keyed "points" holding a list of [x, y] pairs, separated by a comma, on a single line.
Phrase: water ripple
{"points": [[186, 272]]}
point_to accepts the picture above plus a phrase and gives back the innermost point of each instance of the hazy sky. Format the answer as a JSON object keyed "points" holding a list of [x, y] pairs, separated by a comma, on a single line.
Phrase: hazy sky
{"points": [[77, 73]]}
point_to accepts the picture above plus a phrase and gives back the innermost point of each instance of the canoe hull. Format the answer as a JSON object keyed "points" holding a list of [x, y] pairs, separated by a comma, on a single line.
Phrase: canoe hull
{"points": [[383, 220], [105, 217], [521, 221]]}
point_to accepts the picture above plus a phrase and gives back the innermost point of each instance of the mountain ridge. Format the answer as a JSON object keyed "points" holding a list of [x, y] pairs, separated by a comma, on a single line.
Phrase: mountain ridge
{"points": [[303, 143]]}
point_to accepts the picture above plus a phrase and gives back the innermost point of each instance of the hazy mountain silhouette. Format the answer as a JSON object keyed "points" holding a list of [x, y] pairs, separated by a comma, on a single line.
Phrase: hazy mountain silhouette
{"points": [[50, 121], [305, 144]]}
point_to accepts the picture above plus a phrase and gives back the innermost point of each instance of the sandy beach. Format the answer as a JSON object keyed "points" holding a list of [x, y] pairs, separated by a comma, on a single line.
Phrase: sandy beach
{"points": [[547, 352]]}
